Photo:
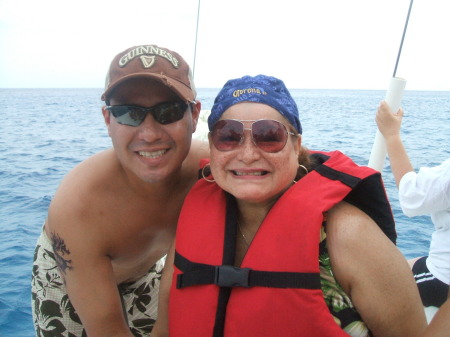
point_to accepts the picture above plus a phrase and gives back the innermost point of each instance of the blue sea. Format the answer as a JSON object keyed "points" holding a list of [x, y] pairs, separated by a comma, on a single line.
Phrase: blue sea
{"points": [[46, 132]]}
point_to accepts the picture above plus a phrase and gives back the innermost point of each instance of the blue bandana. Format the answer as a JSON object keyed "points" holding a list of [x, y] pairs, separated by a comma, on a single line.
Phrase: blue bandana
{"points": [[260, 89]]}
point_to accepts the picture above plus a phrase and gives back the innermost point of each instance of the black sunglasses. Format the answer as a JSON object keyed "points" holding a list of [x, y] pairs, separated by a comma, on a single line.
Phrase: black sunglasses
{"points": [[164, 113], [269, 135]]}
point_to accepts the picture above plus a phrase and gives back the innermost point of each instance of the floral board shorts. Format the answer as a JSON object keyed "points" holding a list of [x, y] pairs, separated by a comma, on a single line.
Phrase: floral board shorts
{"points": [[54, 314]]}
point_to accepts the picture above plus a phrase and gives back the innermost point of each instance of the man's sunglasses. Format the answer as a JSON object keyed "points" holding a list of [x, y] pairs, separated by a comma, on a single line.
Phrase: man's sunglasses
{"points": [[269, 135], [164, 113]]}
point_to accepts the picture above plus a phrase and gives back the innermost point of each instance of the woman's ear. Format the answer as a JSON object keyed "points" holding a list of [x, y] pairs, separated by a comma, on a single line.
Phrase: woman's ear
{"points": [[298, 145]]}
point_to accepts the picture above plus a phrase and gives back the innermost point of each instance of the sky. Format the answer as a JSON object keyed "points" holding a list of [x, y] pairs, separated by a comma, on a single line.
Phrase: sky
{"points": [[320, 44]]}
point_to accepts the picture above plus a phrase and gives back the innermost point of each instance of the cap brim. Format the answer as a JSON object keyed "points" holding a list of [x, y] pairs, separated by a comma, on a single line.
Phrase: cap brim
{"points": [[183, 91]]}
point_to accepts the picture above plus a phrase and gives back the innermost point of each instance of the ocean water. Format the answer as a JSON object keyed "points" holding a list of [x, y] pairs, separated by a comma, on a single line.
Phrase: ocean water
{"points": [[45, 132]]}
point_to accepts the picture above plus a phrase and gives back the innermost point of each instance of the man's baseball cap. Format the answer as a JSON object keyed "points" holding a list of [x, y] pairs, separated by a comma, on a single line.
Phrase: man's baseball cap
{"points": [[151, 61]]}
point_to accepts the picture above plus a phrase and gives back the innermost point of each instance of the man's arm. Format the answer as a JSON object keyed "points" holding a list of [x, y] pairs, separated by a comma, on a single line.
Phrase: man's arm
{"points": [[92, 289], [161, 327], [374, 273], [389, 126], [81, 250]]}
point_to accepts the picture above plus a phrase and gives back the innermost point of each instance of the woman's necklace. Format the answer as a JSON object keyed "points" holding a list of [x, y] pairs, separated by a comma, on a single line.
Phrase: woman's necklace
{"points": [[243, 236]]}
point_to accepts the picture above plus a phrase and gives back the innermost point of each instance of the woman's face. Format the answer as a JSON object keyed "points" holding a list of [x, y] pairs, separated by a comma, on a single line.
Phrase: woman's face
{"points": [[248, 172]]}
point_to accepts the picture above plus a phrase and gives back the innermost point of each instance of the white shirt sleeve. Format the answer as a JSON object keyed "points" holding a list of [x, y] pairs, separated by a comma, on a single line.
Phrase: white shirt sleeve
{"points": [[427, 191]]}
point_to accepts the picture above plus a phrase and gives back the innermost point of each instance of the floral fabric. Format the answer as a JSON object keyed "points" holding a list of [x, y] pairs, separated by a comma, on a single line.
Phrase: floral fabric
{"points": [[54, 314], [340, 305]]}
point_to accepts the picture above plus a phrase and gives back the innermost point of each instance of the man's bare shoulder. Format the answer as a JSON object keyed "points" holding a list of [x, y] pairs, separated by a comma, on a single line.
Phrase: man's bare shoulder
{"points": [[85, 185], [97, 213]]}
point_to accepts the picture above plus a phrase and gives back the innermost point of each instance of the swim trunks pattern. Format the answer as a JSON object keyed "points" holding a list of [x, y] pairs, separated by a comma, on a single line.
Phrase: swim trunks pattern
{"points": [[54, 314]]}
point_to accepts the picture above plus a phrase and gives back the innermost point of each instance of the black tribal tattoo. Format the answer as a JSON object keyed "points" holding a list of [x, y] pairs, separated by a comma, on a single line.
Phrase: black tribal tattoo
{"points": [[60, 249]]}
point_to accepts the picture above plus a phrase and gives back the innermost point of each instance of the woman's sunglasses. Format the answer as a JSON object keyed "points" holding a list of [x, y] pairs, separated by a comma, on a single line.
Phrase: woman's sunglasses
{"points": [[164, 113], [269, 135]]}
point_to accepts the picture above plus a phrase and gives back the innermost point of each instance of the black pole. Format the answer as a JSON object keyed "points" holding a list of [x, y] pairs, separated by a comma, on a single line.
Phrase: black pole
{"points": [[196, 34], [403, 38]]}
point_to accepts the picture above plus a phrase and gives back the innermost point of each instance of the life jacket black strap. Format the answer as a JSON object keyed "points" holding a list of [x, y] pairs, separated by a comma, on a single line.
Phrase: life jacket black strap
{"points": [[230, 276]]}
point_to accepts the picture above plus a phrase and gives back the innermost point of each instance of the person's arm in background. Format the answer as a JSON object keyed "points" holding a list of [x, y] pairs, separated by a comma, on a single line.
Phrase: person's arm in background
{"points": [[419, 193], [389, 125]]}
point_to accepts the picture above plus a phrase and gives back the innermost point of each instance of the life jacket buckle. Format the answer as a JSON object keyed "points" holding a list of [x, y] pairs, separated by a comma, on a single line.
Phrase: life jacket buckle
{"points": [[230, 276]]}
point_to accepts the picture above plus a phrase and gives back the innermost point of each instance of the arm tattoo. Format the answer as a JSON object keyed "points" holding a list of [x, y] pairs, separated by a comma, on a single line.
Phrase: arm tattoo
{"points": [[60, 249]]}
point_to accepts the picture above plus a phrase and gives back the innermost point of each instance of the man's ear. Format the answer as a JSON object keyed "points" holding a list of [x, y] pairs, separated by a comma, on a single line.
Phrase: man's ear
{"points": [[106, 117], [196, 109]]}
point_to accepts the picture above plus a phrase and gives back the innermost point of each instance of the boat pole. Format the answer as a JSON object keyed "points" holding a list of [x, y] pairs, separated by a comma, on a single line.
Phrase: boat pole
{"points": [[393, 99], [196, 35]]}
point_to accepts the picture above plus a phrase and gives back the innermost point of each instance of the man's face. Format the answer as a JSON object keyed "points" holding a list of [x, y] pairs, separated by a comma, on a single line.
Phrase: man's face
{"points": [[151, 151]]}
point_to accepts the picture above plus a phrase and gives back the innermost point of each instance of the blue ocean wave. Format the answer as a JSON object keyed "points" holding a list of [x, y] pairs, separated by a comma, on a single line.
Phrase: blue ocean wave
{"points": [[46, 132]]}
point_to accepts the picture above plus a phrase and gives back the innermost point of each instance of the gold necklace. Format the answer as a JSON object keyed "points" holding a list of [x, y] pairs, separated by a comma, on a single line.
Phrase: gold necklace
{"points": [[242, 233]]}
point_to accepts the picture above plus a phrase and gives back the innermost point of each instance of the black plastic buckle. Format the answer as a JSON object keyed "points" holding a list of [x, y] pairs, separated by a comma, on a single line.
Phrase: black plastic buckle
{"points": [[230, 276], [179, 281]]}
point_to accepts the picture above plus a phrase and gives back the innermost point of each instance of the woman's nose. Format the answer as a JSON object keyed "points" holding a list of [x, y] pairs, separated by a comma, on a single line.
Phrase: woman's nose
{"points": [[248, 150]]}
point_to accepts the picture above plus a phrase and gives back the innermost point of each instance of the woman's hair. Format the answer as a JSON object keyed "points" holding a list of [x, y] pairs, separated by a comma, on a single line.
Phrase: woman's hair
{"points": [[305, 160]]}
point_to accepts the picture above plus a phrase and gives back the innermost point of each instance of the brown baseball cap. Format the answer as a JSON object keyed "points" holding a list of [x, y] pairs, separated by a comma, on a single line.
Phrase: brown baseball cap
{"points": [[153, 62]]}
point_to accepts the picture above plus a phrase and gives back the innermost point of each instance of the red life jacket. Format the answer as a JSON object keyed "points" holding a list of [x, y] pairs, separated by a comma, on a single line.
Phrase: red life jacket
{"points": [[276, 291]]}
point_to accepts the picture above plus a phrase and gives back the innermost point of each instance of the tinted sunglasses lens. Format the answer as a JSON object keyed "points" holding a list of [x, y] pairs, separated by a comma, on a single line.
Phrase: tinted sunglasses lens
{"points": [[128, 115], [227, 134], [269, 136], [169, 112]]}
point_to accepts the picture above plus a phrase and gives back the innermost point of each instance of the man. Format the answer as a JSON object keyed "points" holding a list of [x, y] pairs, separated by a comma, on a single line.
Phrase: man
{"points": [[98, 261]]}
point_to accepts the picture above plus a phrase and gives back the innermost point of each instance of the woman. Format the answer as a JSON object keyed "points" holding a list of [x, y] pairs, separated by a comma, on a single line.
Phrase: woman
{"points": [[424, 193], [265, 244]]}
